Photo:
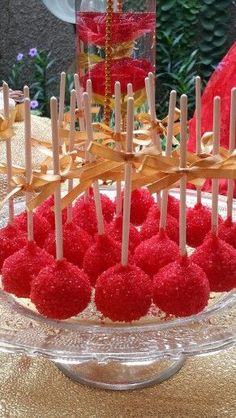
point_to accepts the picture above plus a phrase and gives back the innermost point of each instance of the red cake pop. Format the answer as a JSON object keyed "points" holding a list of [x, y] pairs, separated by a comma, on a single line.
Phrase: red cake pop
{"points": [[151, 255], [181, 288], [99, 257], [21, 267], [45, 210], [61, 290], [218, 260], [141, 201], [75, 242], [114, 230], [198, 224], [11, 240], [151, 225], [227, 232], [42, 228], [173, 207], [123, 293]]}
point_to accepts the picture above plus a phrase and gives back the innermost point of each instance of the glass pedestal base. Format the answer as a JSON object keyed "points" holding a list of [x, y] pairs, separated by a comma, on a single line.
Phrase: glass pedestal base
{"points": [[122, 376]]}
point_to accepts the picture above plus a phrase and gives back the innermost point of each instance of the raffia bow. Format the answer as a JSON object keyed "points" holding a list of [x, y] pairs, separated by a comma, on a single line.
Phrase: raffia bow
{"points": [[6, 130]]}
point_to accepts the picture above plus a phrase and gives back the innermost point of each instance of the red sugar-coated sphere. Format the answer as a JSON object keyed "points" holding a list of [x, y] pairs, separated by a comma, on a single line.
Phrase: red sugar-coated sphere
{"points": [[105, 253], [181, 288], [198, 224], [22, 267], [61, 290], [42, 227], [151, 255], [227, 232], [218, 260], [11, 241], [173, 207], [45, 210], [114, 230], [76, 241], [141, 201], [123, 293], [151, 225]]}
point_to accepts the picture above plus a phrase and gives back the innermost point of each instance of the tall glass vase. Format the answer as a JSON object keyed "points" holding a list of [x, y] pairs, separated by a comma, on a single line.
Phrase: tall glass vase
{"points": [[115, 42]]}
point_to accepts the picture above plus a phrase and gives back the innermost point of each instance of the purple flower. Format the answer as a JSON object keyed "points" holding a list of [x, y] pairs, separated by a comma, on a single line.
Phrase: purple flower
{"points": [[34, 104], [33, 52], [20, 56]]}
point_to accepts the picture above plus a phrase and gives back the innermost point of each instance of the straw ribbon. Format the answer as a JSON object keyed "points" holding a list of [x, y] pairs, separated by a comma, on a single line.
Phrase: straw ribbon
{"points": [[6, 130]]}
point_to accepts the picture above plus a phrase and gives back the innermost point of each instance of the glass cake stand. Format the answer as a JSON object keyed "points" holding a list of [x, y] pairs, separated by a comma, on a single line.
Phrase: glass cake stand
{"points": [[117, 356]]}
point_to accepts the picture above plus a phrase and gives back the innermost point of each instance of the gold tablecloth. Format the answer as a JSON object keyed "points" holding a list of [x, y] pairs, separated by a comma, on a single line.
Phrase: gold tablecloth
{"points": [[34, 388]]}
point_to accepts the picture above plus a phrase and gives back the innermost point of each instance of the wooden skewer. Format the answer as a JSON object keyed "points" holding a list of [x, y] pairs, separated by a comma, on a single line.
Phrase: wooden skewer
{"points": [[89, 157], [128, 181], [183, 180], [89, 90], [79, 100], [198, 88], [56, 170], [28, 166], [62, 99], [130, 91], [71, 145], [26, 92], [216, 147], [230, 191], [170, 132], [118, 147], [8, 154]]}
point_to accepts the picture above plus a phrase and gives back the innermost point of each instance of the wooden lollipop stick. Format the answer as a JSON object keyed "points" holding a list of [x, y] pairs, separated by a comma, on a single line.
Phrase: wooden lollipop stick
{"points": [[170, 132], [8, 154], [79, 101], [89, 90], [128, 181], [71, 145], [152, 106], [198, 88], [56, 170], [130, 91], [28, 166], [183, 180], [118, 131], [26, 92], [62, 99], [232, 134], [216, 147], [89, 157]]}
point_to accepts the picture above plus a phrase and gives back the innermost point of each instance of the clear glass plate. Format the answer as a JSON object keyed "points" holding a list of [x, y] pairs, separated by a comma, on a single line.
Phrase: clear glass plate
{"points": [[118, 356]]}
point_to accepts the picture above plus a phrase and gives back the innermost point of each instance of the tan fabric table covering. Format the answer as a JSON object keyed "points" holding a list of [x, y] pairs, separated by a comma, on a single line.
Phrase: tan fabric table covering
{"points": [[35, 388]]}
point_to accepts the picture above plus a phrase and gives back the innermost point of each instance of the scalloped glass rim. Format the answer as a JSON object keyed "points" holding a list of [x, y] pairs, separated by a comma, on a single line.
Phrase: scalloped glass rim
{"points": [[226, 300]]}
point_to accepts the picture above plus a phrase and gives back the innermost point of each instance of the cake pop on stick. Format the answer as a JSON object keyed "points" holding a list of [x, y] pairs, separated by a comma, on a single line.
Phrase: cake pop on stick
{"points": [[181, 288], [156, 252], [124, 292], [76, 241], [227, 229], [61, 290], [198, 217], [105, 252], [216, 257], [79, 101], [21, 267]]}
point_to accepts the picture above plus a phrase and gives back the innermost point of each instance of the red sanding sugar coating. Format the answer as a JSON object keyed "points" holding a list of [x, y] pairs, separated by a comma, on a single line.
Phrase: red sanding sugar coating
{"points": [[218, 260], [76, 241], [198, 224], [141, 201], [123, 293], [11, 240], [22, 267], [181, 288], [61, 290], [151, 255], [173, 207], [151, 225], [227, 232], [114, 230], [45, 210], [42, 227], [105, 253], [84, 212]]}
